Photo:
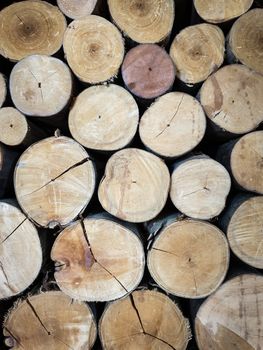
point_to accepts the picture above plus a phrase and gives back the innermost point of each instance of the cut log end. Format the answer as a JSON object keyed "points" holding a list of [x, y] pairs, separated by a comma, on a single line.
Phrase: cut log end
{"points": [[245, 40], [93, 58], [198, 51], [244, 232], [214, 11], [222, 320], [13, 126], [247, 162], [135, 185], [54, 181], [77, 8], [40, 85], [194, 270], [146, 319], [144, 22], [148, 71], [50, 320], [173, 125], [20, 258], [233, 99], [106, 126], [37, 27], [98, 260], [199, 187], [3, 90]]}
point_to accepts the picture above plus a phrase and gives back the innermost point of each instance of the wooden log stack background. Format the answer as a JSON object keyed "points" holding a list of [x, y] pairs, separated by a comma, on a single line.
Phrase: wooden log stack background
{"points": [[131, 174]]}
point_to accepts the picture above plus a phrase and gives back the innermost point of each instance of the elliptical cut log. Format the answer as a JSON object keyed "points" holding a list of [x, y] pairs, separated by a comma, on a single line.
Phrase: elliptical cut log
{"points": [[50, 320], [94, 55], [3, 90], [104, 118], [98, 259], [77, 8], [54, 181], [20, 251], [144, 22], [173, 125], [245, 40], [144, 320], [37, 27], [135, 185]]}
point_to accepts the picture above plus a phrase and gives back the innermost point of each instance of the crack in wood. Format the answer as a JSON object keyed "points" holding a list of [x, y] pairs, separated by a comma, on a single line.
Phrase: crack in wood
{"points": [[13, 336], [165, 251], [10, 234], [36, 315]]}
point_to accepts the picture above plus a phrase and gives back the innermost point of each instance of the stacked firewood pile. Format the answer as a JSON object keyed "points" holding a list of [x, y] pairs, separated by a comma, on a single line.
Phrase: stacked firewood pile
{"points": [[131, 174]]}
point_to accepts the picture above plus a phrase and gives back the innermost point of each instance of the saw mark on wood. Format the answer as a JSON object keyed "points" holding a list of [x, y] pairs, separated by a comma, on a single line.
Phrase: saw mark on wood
{"points": [[10, 234]]}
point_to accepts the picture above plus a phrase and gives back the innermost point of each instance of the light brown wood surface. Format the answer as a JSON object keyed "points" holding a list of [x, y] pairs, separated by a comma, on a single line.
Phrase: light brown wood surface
{"points": [[233, 99], [20, 251], [94, 49], [54, 181], [173, 125], [40, 85], [3, 90], [135, 185], [144, 320], [189, 258], [30, 27], [77, 8], [245, 40], [231, 318], [148, 21], [13, 126], [50, 320], [104, 117], [215, 11]]}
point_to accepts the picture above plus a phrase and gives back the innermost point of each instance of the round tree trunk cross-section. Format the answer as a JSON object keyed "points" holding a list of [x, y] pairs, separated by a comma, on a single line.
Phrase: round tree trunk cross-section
{"points": [[221, 11], [31, 27], [40, 85], [54, 181], [20, 251], [3, 90], [13, 125], [98, 259], [245, 233], [77, 8], [197, 51], [245, 40], [199, 187], [94, 49], [231, 318], [247, 162], [106, 126], [148, 71], [149, 21], [50, 320], [135, 185], [173, 125], [183, 265], [233, 99], [144, 320]]}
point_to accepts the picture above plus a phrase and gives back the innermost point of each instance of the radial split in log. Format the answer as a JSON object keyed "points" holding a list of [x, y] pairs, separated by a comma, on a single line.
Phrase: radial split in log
{"points": [[144, 320], [98, 260], [148, 71], [233, 99], [148, 21], [215, 11], [50, 320], [232, 317], [104, 118], [189, 258], [54, 181], [77, 8], [20, 251], [197, 51], [135, 185], [199, 187], [8, 159], [173, 125], [30, 27], [41, 86], [245, 40], [3, 90], [94, 49], [244, 159], [243, 222]]}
